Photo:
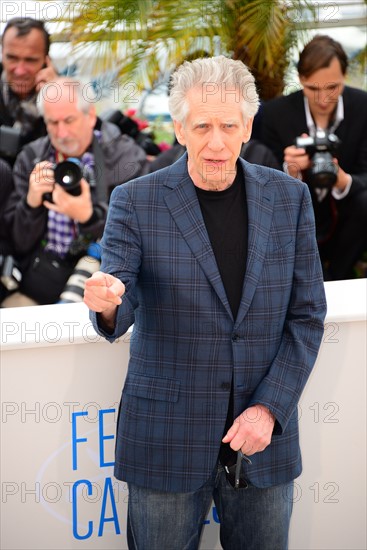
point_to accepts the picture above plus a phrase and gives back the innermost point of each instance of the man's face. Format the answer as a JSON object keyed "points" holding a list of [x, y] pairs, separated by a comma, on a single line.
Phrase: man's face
{"points": [[323, 89], [22, 58], [70, 130], [213, 133]]}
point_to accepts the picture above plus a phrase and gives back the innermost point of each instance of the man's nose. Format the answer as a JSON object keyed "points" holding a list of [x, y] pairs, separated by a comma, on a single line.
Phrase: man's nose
{"points": [[216, 140], [62, 129], [20, 69]]}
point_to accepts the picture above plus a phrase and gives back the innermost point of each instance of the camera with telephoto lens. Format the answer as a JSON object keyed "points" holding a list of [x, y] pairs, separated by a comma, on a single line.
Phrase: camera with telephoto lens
{"points": [[321, 149], [85, 267], [68, 174]]}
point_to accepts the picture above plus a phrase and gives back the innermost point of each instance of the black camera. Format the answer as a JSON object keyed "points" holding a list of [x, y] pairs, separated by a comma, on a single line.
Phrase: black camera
{"points": [[321, 149], [10, 142], [129, 127], [68, 174]]}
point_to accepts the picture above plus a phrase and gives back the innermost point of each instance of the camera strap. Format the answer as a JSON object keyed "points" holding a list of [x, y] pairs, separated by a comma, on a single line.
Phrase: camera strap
{"points": [[99, 170]]}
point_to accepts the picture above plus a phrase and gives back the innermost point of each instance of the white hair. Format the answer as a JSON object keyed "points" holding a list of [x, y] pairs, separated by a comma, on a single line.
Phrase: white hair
{"points": [[211, 73], [79, 91]]}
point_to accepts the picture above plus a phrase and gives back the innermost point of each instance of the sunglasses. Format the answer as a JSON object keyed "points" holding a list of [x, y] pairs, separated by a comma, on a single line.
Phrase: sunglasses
{"points": [[233, 472]]}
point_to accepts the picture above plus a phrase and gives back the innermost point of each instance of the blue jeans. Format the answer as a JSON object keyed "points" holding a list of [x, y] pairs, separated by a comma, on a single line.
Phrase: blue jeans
{"points": [[250, 519]]}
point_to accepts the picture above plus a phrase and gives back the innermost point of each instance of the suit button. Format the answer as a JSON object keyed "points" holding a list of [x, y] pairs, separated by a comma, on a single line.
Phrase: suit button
{"points": [[235, 337], [225, 386]]}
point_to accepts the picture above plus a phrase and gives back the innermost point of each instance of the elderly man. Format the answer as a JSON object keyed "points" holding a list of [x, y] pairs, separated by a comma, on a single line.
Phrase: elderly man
{"points": [[26, 66], [214, 260], [50, 222], [338, 181]]}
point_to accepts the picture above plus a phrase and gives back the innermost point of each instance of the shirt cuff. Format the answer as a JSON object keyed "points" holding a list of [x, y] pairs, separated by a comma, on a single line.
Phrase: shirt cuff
{"points": [[340, 194], [286, 171]]}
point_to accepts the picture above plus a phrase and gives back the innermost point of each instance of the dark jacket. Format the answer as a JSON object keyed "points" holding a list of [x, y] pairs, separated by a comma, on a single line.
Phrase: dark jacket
{"points": [[7, 119], [186, 346], [123, 160], [6, 188]]}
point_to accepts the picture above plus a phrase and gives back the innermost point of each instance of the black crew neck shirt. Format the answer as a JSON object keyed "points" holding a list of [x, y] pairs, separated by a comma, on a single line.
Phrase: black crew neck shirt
{"points": [[225, 218]]}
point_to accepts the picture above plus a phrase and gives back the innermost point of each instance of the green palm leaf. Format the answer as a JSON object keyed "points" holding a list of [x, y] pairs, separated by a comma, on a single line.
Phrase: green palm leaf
{"points": [[141, 40]]}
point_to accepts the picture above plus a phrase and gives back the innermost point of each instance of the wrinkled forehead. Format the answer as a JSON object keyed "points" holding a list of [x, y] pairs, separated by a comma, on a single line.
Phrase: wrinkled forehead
{"points": [[61, 108], [211, 91], [32, 41], [214, 102]]}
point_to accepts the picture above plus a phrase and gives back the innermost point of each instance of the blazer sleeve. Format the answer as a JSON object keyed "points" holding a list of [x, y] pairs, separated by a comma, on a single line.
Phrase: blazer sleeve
{"points": [[121, 257], [281, 388]]}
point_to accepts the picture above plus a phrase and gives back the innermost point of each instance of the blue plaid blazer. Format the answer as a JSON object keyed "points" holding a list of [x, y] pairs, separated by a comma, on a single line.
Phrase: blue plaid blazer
{"points": [[185, 345]]}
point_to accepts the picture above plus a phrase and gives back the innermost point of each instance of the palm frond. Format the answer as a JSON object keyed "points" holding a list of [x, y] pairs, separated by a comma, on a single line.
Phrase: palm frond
{"points": [[142, 40]]}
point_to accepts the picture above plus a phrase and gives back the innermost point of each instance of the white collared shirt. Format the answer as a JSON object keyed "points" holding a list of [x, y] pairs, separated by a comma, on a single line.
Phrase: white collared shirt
{"points": [[312, 129]]}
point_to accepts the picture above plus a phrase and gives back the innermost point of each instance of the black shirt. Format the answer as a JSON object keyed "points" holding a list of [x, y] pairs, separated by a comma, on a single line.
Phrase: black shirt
{"points": [[225, 218]]}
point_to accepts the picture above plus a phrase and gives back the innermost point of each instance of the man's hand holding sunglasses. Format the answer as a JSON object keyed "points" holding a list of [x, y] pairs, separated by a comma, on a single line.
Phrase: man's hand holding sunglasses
{"points": [[251, 431]]}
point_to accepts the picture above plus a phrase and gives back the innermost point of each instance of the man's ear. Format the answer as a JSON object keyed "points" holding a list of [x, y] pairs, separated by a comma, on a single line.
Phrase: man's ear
{"points": [[248, 129], [180, 132], [48, 62], [92, 116]]}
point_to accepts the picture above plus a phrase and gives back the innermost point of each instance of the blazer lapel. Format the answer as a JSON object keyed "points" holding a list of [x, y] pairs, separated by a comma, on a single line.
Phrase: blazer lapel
{"points": [[183, 204], [260, 201]]}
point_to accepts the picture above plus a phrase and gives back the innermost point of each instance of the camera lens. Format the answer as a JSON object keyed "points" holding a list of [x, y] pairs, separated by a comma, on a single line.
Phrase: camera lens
{"points": [[324, 172], [74, 287], [68, 174]]}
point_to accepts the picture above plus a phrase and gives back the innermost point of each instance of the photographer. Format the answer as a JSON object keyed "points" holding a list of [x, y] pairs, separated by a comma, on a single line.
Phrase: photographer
{"points": [[6, 187], [25, 67], [6, 245], [326, 108], [53, 223]]}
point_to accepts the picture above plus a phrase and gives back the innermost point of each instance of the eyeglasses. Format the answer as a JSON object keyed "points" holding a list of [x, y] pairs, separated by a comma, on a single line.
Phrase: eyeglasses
{"points": [[233, 472]]}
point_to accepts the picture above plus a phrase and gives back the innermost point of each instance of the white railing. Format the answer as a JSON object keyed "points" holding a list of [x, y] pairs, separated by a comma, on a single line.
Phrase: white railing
{"points": [[60, 389]]}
